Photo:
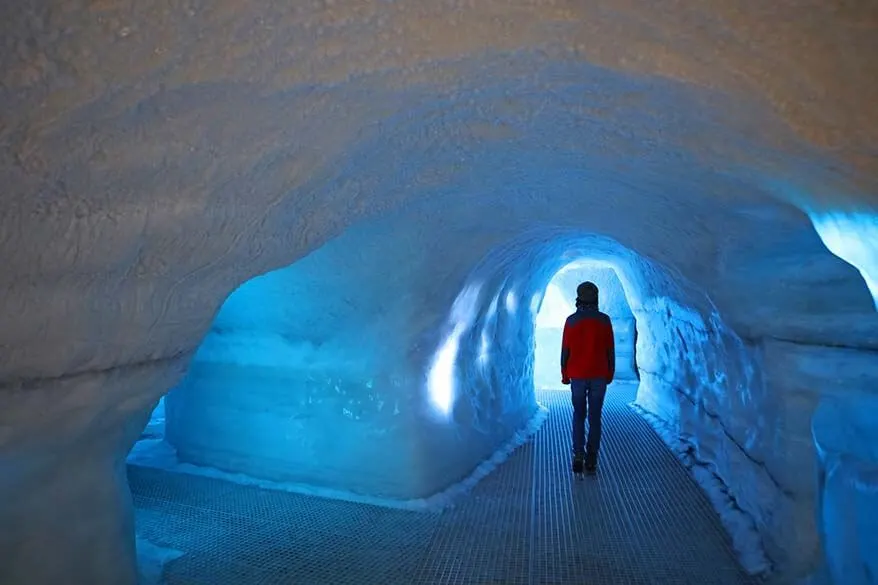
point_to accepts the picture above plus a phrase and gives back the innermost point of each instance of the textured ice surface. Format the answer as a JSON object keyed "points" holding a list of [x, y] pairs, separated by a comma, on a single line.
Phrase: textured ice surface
{"points": [[360, 372], [157, 155], [151, 561], [846, 435], [86, 425], [155, 428], [470, 342], [739, 524], [854, 237], [160, 454]]}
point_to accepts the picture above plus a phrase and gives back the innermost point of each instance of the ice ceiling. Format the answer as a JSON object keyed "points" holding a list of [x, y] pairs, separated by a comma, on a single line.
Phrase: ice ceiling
{"points": [[157, 155]]}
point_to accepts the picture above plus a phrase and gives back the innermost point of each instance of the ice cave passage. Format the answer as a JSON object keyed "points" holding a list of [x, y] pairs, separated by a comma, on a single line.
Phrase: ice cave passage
{"points": [[327, 227]]}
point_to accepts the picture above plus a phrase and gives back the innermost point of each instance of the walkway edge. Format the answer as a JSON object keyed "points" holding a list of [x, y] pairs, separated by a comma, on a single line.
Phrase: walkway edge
{"points": [[738, 524]]}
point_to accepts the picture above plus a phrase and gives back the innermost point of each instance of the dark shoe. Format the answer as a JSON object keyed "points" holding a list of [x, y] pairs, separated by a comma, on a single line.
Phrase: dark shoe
{"points": [[591, 462], [577, 463]]}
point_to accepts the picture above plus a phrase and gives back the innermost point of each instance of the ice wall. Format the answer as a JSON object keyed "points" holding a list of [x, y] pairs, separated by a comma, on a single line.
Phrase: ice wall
{"points": [[155, 428], [335, 372], [698, 377], [847, 443], [66, 509], [740, 391], [808, 320]]}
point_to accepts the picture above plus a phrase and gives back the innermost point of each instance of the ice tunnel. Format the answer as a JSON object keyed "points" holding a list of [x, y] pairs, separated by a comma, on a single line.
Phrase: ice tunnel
{"points": [[312, 373], [329, 230]]}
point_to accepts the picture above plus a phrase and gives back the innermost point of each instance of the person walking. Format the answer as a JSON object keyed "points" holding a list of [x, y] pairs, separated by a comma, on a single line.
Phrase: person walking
{"points": [[588, 365]]}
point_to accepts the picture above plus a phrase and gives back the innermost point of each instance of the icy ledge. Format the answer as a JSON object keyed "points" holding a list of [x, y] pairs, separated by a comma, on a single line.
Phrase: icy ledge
{"points": [[846, 439], [158, 454], [745, 537], [151, 561]]}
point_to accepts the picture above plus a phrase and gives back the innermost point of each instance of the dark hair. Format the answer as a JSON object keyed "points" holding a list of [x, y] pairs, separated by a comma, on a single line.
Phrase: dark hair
{"points": [[587, 294]]}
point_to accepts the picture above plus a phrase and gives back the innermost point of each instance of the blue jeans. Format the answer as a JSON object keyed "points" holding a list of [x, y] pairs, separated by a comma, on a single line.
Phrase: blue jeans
{"points": [[588, 402]]}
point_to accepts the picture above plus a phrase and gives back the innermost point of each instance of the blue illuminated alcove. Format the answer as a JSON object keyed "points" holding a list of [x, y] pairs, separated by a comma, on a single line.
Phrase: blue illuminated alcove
{"points": [[558, 303]]}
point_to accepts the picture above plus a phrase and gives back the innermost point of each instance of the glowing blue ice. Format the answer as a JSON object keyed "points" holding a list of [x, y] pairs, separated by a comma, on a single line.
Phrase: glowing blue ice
{"points": [[484, 349], [846, 436], [535, 303], [492, 309], [556, 307], [853, 237], [511, 302], [441, 379]]}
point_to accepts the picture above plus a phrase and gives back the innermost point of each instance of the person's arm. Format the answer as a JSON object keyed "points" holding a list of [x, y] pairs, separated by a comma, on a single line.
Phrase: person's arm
{"points": [[565, 354], [611, 351]]}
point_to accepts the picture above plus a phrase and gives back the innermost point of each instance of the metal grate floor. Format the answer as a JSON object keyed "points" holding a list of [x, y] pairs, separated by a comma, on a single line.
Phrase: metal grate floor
{"points": [[641, 520]]}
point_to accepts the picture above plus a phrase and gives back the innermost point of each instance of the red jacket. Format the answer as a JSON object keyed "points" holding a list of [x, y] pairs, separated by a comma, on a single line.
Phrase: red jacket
{"points": [[588, 349]]}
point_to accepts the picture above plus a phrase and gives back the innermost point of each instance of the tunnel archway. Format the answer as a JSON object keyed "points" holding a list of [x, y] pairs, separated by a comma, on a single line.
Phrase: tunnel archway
{"points": [[683, 344], [266, 393], [558, 303]]}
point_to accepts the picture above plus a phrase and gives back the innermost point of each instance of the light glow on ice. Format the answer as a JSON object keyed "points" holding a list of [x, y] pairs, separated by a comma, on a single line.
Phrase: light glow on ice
{"points": [[559, 302], [484, 349], [441, 379], [511, 301], [492, 308], [853, 237], [556, 307], [535, 303]]}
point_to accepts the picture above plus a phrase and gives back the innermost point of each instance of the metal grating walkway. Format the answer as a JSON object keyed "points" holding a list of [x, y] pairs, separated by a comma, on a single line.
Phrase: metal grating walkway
{"points": [[642, 520]]}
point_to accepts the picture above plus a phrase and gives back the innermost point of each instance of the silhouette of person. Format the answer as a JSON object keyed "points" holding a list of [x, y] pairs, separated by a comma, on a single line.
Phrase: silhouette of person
{"points": [[588, 365]]}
